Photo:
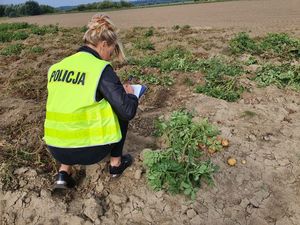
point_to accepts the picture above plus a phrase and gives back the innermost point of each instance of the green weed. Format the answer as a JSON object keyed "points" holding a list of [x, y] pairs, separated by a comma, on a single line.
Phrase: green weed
{"points": [[281, 45], [144, 44], [7, 177], [274, 44], [149, 32], [173, 58], [147, 78], [83, 29], [176, 27], [14, 26], [37, 49], [5, 36], [188, 81], [228, 90], [9, 36], [248, 113], [285, 75], [218, 66], [221, 79], [184, 27], [251, 60], [44, 29], [180, 168], [14, 49], [243, 43], [20, 35]]}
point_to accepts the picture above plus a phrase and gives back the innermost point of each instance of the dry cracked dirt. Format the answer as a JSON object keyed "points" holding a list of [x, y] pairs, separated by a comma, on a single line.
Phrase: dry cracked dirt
{"points": [[263, 188]]}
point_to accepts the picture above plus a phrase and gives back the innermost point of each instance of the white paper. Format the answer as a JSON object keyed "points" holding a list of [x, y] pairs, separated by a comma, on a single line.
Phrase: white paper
{"points": [[136, 89]]}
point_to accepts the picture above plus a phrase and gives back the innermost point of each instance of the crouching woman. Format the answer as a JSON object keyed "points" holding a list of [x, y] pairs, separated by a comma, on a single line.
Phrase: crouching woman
{"points": [[88, 108]]}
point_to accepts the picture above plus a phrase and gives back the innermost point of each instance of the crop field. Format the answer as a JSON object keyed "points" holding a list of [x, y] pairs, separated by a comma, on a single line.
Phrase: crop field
{"points": [[215, 140], [258, 16]]}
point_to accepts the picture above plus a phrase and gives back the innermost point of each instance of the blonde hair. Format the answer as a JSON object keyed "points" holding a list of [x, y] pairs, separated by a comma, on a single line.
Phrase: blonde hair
{"points": [[101, 28]]}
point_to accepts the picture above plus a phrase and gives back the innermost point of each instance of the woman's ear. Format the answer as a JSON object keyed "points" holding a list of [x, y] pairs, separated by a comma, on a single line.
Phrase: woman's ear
{"points": [[104, 44]]}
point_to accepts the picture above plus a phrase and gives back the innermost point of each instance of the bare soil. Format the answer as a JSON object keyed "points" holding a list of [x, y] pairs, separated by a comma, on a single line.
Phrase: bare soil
{"points": [[262, 189]]}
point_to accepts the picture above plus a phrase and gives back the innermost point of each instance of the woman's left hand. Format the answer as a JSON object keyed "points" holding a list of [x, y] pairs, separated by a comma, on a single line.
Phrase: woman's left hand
{"points": [[128, 88]]}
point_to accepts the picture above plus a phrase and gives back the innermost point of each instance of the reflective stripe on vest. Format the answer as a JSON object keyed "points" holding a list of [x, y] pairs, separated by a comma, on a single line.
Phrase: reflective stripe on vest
{"points": [[73, 117]]}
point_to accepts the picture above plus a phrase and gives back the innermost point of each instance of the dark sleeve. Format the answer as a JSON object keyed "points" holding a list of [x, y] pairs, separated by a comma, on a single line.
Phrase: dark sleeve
{"points": [[110, 88]]}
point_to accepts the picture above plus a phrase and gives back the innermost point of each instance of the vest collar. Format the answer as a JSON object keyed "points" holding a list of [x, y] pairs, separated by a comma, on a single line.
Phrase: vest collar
{"points": [[89, 50]]}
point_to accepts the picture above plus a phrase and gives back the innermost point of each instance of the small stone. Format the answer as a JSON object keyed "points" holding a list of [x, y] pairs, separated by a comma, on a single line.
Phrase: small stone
{"points": [[292, 108], [2, 143], [160, 205], [163, 142], [27, 200], [243, 161], [143, 153], [244, 57], [191, 213], [23, 141], [97, 221], [138, 174], [99, 187], [92, 209], [29, 219], [283, 162], [184, 208], [196, 220], [266, 138], [251, 137], [253, 67], [127, 209], [268, 162], [159, 194], [227, 213], [22, 183], [244, 203], [254, 202], [167, 208], [117, 208], [234, 131], [87, 222], [147, 215], [45, 193], [31, 173], [117, 199], [21, 170], [89, 195]]}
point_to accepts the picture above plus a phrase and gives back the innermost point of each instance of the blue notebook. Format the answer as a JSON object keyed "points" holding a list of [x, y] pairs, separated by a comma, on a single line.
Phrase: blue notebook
{"points": [[139, 89]]}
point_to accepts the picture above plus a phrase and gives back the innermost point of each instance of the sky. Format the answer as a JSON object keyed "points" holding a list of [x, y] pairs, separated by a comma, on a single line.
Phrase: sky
{"points": [[54, 3]]}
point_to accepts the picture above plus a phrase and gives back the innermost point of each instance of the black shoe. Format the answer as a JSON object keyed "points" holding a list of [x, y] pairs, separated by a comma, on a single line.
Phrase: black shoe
{"points": [[126, 161], [64, 181]]}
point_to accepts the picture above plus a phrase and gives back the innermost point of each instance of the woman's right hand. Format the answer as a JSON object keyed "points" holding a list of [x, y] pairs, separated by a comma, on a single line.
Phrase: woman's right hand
{"points": [[128, 89]]}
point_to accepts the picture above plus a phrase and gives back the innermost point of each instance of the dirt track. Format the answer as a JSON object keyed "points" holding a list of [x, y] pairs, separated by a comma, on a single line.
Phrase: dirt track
{"points": [[263, 15]]}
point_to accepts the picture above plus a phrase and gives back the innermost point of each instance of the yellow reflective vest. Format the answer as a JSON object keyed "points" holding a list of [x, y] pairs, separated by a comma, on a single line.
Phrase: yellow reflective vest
{"points": [[73, 116]]}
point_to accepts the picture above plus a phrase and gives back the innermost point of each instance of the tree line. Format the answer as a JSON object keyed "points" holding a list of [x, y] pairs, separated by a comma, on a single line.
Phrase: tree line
{"points": [[106, 4], [29, 8]]}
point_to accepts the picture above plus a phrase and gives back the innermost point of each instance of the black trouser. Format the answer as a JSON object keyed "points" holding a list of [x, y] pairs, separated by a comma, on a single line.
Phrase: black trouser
{"points": [[90, 155]]}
